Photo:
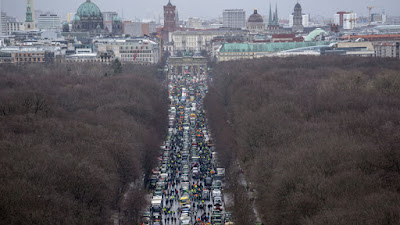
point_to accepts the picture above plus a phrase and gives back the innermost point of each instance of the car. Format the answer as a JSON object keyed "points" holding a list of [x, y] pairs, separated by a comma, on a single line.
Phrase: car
{"points": [[185, 219], [205, 195], [156, 217], [185, 199], [146, 218], [185, 178], [158, 193], [217, 184], [217, 200], [186, 208]]}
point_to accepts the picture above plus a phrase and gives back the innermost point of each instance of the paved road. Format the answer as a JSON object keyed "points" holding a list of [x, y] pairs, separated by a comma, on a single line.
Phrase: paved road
{"points": [[187, 184]]}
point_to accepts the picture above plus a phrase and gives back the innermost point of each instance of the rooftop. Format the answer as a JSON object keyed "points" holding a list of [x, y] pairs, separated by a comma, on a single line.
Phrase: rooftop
{"points": [[267, 47]]}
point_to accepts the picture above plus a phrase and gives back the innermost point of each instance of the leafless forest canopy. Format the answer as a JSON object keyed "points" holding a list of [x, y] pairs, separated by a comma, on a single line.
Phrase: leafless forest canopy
{"points": [[72, 139], [317, 137]]}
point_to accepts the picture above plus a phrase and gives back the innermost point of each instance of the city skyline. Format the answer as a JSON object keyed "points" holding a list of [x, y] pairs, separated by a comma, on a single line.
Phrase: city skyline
{"points": [[205, 9]]}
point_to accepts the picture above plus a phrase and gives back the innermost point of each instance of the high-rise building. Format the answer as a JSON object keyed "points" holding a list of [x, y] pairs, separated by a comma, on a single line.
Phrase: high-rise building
{"points": [[169, 20], [10, 24], [297, 19], [305, 20], [108, 19], [338, 18], [349, 21], [49, 21], [273, 21], [378, 18], [234, 18], [1, 22]]}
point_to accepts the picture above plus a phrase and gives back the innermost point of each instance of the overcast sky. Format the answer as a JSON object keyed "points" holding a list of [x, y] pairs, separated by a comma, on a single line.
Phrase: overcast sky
{"points": [[151, 9]]}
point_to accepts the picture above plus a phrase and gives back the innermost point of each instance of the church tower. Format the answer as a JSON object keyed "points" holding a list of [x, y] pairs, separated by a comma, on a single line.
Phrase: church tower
{"points": [[169, 20], [273, 22], [297, 19], [29, 19]]}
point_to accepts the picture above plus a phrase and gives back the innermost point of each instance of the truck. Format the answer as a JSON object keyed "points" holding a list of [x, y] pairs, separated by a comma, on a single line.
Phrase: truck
{"points": [[156, 204], [220, 173]]}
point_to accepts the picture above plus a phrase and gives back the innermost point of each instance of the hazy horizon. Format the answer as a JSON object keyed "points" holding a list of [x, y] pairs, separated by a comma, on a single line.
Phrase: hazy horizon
{"points": [[205, 9]]}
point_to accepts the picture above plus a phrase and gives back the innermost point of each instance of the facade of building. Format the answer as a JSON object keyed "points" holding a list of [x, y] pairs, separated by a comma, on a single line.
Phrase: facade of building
{"points": [[3, 23], [49, 22], [2, 31], [133, 29], [108, 19], [387, 49], [273, 20], [88, 18], [338, 18], [286, 38], [199, 40], [149, 28], [378, 18], [360, 49], [240, 51], [14, 27], [234, 18], [349, 21], [141, 51], [255, 23], [170, 18], [195, 23], [297, 19], [29, 54], [373, 37]]}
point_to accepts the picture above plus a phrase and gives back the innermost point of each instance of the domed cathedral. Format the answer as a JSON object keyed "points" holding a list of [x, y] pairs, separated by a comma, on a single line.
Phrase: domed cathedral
{"points": [[88, 18], [255, 23], [297, 19]]}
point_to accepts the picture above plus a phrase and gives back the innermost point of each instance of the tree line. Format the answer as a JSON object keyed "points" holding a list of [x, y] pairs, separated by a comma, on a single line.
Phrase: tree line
{"points": [[318, 138], [73, 137]]}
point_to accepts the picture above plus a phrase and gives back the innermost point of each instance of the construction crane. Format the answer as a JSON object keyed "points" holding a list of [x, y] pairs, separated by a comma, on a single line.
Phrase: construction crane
{"points": [[352, 22], [137, 51], [370, 9]]}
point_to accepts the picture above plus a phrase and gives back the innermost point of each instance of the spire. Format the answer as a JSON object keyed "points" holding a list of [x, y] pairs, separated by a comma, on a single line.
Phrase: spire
{"points": [[270, 15], [276, 15], [28, 12]]}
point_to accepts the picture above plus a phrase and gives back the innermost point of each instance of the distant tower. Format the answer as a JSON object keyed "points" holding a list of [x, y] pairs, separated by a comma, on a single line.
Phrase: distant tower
{"points": [[297, 19], [273, 22], [32, 4], [169, 20], [29, 23]]}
